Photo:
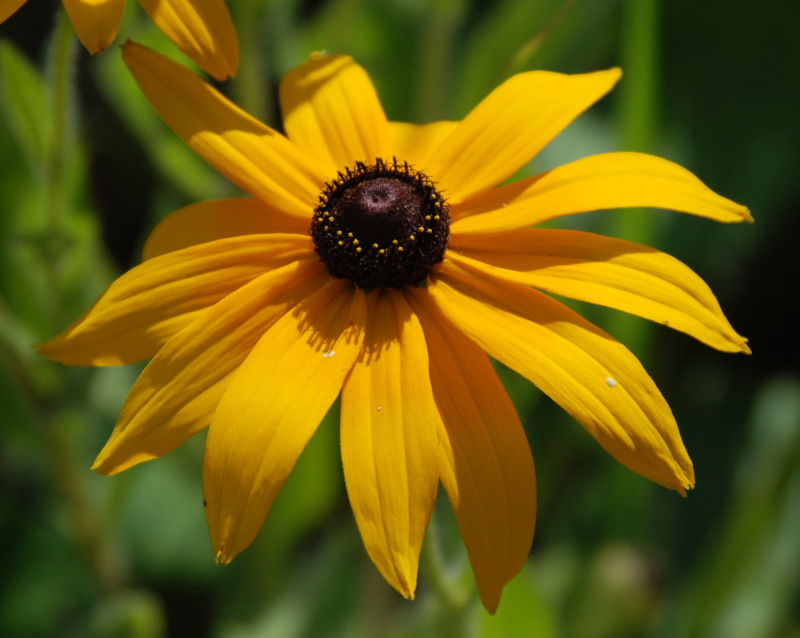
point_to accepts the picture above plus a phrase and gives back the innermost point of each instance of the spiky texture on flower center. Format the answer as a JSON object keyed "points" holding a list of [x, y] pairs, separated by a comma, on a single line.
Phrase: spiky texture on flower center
{"points": [[381, 224]]}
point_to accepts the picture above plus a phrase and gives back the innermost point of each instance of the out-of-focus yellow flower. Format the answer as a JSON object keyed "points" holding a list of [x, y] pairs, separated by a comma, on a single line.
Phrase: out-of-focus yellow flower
{"points": [[202, 29], [382, 261]]}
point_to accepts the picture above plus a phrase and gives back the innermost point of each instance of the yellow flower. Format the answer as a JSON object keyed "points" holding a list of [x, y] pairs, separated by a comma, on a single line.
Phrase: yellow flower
{"points": [[435, 268], [202, 29]]}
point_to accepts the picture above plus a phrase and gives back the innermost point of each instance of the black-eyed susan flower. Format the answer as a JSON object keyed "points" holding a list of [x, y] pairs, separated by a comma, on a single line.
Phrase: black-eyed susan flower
{"points": [[382, 261], [202, 29]]}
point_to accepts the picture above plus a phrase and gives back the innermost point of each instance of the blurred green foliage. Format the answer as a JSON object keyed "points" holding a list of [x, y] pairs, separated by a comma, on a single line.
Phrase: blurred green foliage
{"points": [[87, 168]]}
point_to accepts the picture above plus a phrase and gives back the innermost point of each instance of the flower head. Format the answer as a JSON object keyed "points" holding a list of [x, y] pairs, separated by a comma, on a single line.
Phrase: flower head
{"points": [[201, 29], [382, 261]]}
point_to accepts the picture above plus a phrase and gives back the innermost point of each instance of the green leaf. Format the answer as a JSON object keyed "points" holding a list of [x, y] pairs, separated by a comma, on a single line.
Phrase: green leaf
{"points": [[23, 101]]}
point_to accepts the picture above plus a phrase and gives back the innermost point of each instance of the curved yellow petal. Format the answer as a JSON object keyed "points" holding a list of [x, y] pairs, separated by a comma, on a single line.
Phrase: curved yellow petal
{"points": [[511, 125], [484, 458], [202, 29], [9, 8], [253, 156], [605, 271], [331, 111], [414, 143], [583, 369], [151, 302], [95, 21], [217, 219], [272, 407], [178, 392], [599, 182], [389, 425]]}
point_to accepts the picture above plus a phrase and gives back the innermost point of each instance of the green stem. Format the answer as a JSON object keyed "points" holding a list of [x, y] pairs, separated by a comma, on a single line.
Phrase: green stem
{"points": [[61, 63], [439, 26], [638, 115], [453, 600], [59, 445], [250, 85]]}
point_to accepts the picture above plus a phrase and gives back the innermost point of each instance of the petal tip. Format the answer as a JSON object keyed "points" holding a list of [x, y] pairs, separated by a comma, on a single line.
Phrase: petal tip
{"points": [[101, 465], [744, 347]]}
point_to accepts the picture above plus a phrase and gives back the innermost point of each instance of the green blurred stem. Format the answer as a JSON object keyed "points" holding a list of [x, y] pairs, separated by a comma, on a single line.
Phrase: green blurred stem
{"points": [[453, 599], [439, 26], [61, 64], [640, 63], [249, 87], [638, 125], [59, 445]]}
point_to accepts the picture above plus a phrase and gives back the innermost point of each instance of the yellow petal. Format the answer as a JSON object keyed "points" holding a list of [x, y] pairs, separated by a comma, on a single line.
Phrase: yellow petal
{"points": [[153, 301], [95, 21], [9, 7], [583, 369], [601, 270], [272, 407], [331, 111], [202, 29], [511, 125], [484, 458], [250, 154], [599, 182], [389, 440], [178, 391], [208, 221], [415, 143]]}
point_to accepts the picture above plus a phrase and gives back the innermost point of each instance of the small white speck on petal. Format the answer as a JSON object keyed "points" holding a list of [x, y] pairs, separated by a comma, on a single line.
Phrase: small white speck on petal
{"points": [[329, 353], [611, 383], [379, 408]]}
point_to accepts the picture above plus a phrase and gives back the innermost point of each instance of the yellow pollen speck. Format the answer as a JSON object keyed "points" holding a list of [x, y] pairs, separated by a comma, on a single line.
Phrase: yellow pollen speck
{"points": [[358, 250], [437, 218], [421, 229], [411, 237], [399, 249], [330, 219], [381, 251], [350, 235], [395, 242], [374, 245], [340, 243], [326, 227], [427, 218], [339, 232], [429, 230], [355, 242]]}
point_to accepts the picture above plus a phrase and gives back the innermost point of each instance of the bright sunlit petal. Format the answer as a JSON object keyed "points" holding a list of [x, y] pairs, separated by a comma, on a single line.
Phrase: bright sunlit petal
{"points": [[599, 182], [202, 29], [416, 143], [272, 407], [606, 271], [154, 300], [178, 392], [512, 125], [217, 219], [587, 372], [389, 440], [250, 154], [484, 458], [330, 110]]}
